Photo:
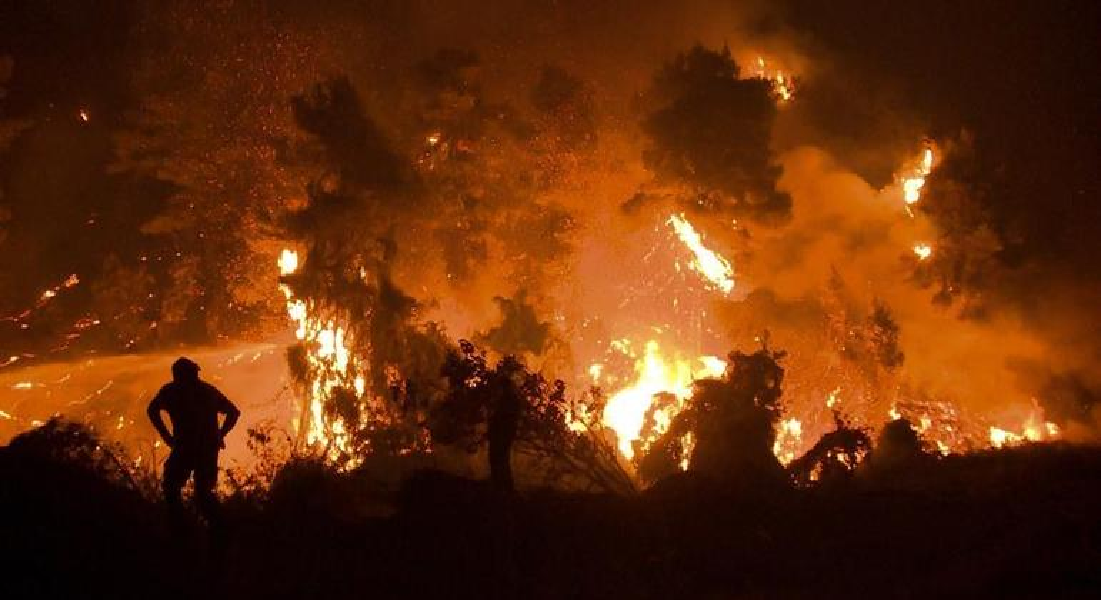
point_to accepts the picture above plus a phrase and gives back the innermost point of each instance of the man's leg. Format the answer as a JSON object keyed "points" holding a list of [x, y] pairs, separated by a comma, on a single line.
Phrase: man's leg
{"points": [[176, 471], [206, 478]]}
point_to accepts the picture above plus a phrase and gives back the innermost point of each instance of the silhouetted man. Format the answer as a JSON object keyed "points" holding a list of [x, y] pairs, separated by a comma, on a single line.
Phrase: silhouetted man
{"points": [[504, 418], [193, 406]]}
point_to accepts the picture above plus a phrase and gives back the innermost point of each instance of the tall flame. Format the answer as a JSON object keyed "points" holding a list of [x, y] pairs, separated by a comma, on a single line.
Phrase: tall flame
{"points": [[914, 183], [331, 365], [626, 410]]}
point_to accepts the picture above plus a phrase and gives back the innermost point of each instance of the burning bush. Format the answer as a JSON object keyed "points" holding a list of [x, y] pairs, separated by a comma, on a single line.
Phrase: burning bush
{"points": [[834, 457], [561, 447], [727, 430]]}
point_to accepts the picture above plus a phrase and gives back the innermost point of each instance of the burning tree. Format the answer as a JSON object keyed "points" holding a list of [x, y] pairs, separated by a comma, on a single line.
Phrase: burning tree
{"points": [[968, 260], [710, 132], [363, 339], [374, 372], [443, 199]]}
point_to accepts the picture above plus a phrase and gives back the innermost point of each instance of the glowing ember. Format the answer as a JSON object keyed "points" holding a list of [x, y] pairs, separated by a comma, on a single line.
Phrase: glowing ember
{"points": [[51, 293], [22, 318], [712, 266], [84, 115], [789, 437], [923, 251]]}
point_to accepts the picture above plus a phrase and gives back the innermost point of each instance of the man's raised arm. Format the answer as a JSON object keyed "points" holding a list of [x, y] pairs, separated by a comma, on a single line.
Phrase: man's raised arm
{"points": [[231, 412], [156, 405]]}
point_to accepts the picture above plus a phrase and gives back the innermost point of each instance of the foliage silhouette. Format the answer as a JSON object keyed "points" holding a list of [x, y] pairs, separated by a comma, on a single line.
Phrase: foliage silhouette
{"points": [[562, 451], [1022, 521], [710, 131], [520, 330], [834, 457], [899, 445], [731, 425], [74, 445]]}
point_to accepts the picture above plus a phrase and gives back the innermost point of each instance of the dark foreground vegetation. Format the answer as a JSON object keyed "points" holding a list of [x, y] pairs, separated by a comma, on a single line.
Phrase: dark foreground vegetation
{"points": [[1021, 522]]}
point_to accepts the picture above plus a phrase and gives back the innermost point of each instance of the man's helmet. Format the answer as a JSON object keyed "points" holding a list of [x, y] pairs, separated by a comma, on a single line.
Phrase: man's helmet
{"points": [[185, 369]]}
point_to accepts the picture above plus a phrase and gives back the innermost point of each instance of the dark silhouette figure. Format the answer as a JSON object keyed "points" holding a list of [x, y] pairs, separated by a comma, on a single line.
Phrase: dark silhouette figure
{"points": [[504, 417], [193, 406]]}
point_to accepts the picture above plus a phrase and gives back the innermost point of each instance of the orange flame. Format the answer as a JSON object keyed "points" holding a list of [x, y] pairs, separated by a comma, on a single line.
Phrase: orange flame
{"points": [[781, 83], [914, 183], [626, 410], [711, 265], [331, 363]]}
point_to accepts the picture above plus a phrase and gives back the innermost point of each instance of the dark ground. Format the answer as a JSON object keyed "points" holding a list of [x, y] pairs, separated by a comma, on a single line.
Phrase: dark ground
{"points": [[1013, 523]]}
